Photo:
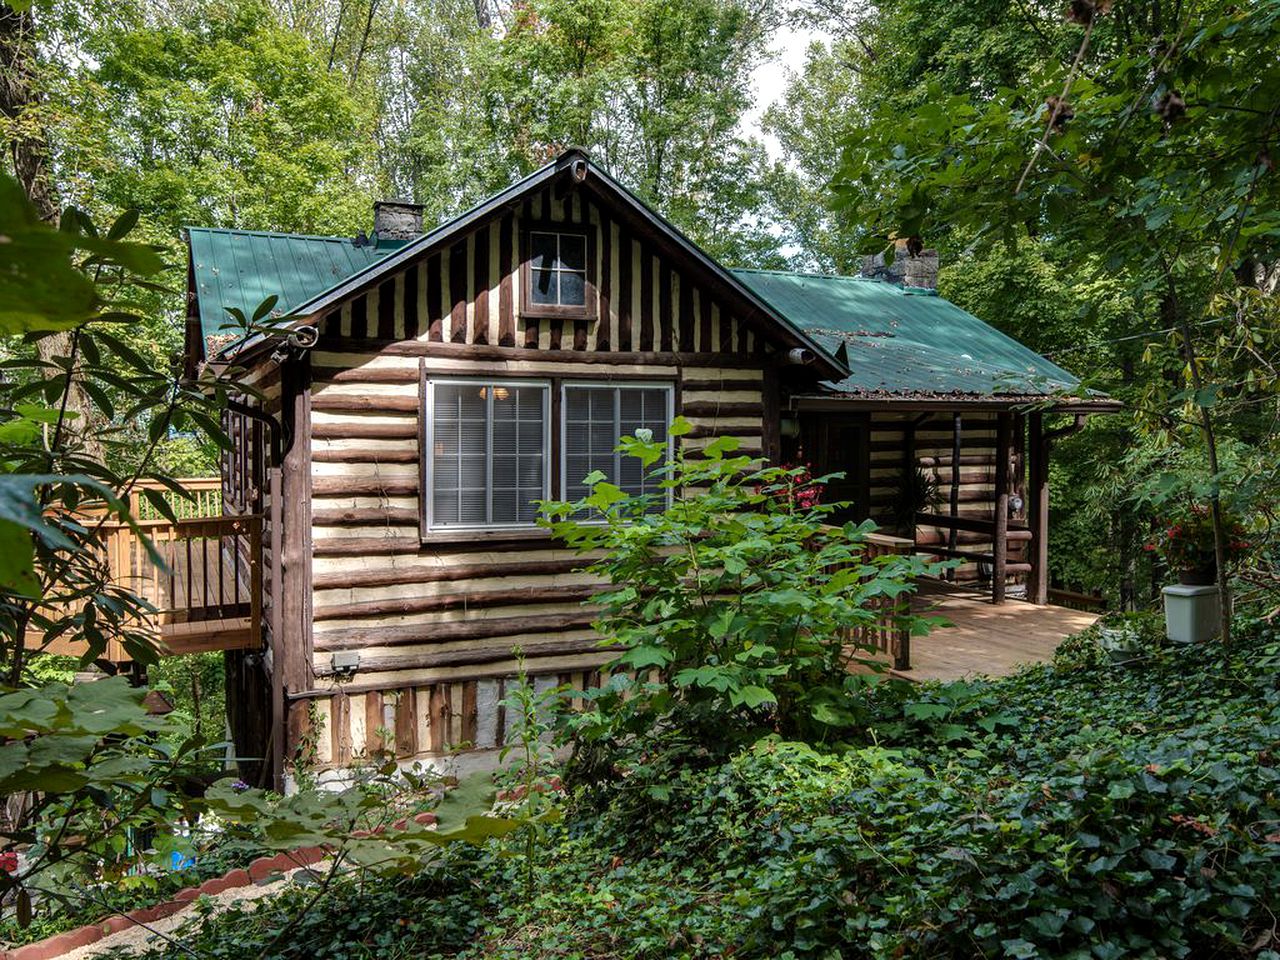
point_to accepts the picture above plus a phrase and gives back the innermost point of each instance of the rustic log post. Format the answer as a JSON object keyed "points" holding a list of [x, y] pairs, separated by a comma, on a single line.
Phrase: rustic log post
{"points": [[1000, 546], [292, 659], [953, 539], [274, 762], [1038, 509]]}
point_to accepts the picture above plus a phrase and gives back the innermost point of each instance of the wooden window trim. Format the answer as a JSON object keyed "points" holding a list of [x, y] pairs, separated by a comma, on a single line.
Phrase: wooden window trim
{"points": [[552, 311]]}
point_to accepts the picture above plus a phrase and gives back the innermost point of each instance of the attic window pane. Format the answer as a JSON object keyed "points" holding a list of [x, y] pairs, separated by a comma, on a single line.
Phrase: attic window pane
{"points": [[545, 288], [573, 252], [542, 251], [573, 290]]}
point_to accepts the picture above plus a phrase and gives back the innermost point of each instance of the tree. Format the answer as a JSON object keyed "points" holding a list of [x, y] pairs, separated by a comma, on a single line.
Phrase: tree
{"points": [[1150, 147]]}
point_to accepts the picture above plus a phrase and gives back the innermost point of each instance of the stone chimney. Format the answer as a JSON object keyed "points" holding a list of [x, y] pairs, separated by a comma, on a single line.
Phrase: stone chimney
{"points": [[911, 267], [397, 220]]}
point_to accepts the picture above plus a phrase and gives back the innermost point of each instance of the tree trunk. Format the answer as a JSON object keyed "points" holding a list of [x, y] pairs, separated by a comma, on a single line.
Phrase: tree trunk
{"points": [[29, 156], [1171, 308]]}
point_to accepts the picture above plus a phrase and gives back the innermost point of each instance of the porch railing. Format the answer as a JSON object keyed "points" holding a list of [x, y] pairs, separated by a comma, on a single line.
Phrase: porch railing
{"points": [[889, 633], [209, 570]]}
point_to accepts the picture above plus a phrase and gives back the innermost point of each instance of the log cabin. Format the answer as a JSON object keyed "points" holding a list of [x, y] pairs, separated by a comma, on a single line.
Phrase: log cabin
{"points": [[424, 388]]}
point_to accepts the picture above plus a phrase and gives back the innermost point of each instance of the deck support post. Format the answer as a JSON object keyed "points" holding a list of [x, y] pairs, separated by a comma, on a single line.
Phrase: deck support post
{"points": [[1000, 546], [273, 766], [1038, 508]]}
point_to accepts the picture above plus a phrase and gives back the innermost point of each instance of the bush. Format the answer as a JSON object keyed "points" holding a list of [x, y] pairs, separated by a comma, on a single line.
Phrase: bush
{"points": [[1119, 813], [735, 605]]}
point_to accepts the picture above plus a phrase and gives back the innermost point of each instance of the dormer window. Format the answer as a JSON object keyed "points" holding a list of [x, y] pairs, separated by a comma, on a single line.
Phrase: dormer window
{"points": [[557, 278]]}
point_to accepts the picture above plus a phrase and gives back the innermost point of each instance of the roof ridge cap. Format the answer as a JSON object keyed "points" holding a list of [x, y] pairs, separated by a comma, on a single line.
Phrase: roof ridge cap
{"points": [[271, 233]]}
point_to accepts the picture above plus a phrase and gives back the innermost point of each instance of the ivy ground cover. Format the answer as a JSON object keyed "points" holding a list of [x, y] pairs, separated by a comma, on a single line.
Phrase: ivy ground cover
{"points": [[1079, 810]]}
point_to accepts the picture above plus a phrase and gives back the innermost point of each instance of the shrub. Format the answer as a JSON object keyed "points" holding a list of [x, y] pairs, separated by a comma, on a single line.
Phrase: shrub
{"points": [[735, 605]]}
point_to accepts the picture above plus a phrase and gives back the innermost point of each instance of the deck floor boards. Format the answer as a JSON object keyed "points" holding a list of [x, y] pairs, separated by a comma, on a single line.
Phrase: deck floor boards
{"points": [[984, 638]]}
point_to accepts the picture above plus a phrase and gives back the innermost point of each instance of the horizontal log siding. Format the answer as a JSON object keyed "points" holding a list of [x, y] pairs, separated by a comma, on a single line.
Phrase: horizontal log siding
{"points": [[933, 440], [440, 620]]}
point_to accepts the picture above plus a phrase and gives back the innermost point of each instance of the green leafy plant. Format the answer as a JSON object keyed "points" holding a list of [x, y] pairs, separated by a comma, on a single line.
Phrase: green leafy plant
{"points": [[531, 714], [734, 609]]}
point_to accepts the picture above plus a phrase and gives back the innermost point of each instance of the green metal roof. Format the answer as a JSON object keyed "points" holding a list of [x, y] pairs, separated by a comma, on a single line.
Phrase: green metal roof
{"points": [[241, 268], [904, 341], [900, 342]]}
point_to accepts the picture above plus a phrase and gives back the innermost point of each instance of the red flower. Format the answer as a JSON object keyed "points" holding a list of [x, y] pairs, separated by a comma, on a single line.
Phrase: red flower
{"points": [[9, 862]]}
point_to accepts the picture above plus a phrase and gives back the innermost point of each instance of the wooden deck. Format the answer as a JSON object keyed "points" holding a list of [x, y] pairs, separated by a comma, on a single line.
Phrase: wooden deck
{"points": [[206, 589], [985, 638]]}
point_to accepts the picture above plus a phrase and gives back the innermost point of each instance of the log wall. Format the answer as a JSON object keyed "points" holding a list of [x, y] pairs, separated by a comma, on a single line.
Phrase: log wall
{"points": [[436, 618]]}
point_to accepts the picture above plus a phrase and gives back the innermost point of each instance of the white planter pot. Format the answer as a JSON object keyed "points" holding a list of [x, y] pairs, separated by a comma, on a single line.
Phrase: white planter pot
{"points": [[1191, 614]]}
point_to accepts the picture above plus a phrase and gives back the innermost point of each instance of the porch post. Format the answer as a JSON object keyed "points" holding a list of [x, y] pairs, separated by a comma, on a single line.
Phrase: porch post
{"points": [[953, 536], [1038, 509], [1000, 547]]}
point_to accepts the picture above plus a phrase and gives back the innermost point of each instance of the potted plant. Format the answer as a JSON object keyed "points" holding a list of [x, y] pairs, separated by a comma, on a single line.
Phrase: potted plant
{"points": [[1186, 544]]}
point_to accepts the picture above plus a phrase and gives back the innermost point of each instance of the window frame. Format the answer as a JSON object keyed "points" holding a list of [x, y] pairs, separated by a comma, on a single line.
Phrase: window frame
{"points": [[585, 311], [426, 433], [667, 385]]}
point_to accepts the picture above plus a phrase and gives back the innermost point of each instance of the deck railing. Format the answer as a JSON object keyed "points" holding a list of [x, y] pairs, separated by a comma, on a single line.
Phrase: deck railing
{"points": [[890, 633], [209, 568], [202, 575]]}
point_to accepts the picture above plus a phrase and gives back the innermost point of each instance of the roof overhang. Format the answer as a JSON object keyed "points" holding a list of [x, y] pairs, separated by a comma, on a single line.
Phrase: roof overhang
{"points": [[907, 404], [575, 170]]}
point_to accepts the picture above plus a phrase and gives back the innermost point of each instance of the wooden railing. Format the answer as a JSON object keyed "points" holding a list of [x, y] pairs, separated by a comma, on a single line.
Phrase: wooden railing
{"points": [[205, 502], [890, 633], [202, 575], [209, 567], [996, 556]]}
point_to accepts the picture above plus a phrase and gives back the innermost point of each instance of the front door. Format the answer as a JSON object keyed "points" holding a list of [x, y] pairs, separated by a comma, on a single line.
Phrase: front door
{"points": [[839, 443]]}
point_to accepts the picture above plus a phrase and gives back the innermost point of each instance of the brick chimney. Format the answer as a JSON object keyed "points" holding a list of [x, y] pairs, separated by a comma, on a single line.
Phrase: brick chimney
{"points": [[397, 220], [919, 270]]}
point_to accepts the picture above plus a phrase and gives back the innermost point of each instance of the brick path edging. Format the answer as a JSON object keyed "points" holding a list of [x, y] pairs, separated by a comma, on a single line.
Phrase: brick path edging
{"points": [[259, 869]]}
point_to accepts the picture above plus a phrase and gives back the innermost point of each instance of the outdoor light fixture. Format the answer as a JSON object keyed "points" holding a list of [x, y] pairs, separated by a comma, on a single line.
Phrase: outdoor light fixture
{"points": [[499, 393], [345, 663]]}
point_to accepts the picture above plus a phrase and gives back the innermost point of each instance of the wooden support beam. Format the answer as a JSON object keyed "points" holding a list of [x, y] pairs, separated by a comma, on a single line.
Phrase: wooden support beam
{"points": [[1038, 509], [292, 658], [999, 566], [957, 425]]}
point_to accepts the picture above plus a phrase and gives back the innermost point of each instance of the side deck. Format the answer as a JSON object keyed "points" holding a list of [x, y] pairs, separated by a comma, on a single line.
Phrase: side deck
{"points": [[200, 572], [982, 638]]}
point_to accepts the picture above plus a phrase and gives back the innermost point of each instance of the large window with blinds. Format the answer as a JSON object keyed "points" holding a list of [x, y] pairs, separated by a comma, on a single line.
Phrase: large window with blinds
{"points": [[488, 453], [594, 417]]}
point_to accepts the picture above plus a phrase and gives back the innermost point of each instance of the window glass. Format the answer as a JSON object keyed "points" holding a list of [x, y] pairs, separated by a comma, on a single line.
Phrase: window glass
{"points": [[595, 418], [558, 269], [488, 453]]}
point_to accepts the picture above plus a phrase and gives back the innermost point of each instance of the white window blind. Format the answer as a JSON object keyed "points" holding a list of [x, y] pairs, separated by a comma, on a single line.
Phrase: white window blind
{"points": [[595, 418], [489, 453]]}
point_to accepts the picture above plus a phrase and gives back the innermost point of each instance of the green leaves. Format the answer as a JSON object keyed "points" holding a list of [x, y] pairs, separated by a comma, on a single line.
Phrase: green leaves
{"points": [[734, 607], [41, 286]]}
